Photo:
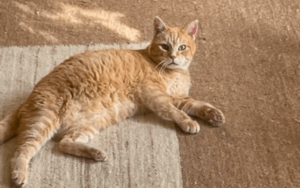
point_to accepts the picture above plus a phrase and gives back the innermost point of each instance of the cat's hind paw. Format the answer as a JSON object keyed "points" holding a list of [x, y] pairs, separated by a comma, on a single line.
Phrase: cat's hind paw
{"points": [[190, 126], [98, 155], [19, 178]]}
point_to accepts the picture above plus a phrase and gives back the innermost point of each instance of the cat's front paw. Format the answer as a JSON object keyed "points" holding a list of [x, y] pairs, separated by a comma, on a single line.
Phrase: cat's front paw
{"points": [[190, 126], [213, 116]]}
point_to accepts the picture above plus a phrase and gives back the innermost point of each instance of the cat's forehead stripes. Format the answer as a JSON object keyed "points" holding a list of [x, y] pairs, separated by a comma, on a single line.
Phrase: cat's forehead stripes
{"points": [[174, 37]]}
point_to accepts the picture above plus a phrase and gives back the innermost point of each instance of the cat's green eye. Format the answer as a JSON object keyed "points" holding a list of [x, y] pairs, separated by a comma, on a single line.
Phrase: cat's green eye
{"points": [[164, 47], [182, 47]]}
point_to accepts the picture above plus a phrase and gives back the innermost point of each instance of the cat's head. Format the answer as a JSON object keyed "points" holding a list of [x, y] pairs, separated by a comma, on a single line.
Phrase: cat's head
{"points": [[173, 47]]}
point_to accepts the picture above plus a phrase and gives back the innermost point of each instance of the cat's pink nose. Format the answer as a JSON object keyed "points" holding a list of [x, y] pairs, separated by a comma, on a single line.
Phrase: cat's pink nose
{"points": [[173, 57]]}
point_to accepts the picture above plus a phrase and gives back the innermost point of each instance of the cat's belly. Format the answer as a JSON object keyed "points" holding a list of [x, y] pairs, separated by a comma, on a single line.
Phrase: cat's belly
{"points": [[99, 114]]}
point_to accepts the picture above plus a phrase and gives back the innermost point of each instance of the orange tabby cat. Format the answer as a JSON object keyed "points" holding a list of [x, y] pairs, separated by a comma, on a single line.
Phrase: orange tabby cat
{"points": [[93, 90]]}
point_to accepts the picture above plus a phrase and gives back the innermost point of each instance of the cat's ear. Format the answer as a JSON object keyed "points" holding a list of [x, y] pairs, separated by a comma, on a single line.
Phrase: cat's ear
{"points": [[159, 25], [192, 28]]}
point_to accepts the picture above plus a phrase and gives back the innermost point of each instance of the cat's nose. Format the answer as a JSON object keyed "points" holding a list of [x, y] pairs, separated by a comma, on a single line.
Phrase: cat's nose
{"points": [[172, 57]]}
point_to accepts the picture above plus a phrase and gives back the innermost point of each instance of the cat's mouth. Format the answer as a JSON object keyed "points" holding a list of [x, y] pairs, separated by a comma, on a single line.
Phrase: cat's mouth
{"points": [[173, 63]]}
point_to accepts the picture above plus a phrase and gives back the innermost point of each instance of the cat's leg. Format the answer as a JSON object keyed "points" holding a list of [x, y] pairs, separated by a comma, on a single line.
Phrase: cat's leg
{"points": [[74, 143], [162, 104], [32, 134], [200, 109]]}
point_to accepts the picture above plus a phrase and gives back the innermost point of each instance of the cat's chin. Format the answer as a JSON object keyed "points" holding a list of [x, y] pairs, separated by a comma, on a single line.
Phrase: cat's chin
{"points": [[176, 67]]}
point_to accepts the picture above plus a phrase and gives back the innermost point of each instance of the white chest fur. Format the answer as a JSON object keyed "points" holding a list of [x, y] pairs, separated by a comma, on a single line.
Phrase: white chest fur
{"points": [[179, 85]]}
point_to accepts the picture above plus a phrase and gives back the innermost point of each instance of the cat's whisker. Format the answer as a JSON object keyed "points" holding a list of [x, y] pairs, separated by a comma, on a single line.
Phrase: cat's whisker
{"points": [[162, 69], [159, 64], [162, 63]]}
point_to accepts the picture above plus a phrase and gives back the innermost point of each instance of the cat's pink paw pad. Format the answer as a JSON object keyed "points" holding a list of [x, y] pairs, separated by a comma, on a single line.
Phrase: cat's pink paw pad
{"points": [[214, 116], [19, 178], [190, 126], [98, 155]]}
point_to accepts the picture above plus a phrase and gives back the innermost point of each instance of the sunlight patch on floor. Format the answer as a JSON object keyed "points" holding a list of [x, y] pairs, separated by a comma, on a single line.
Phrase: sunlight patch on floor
{"points": [[72, 14], [44, 34]]}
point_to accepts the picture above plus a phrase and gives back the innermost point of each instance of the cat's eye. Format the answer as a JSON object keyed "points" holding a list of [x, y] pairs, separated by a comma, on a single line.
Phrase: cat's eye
{"points": [[182, 47], [164, 47]]}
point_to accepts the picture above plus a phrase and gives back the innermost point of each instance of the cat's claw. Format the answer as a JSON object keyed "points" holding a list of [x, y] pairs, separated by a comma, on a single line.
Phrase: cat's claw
{"points": [[19, 178], [190, 126]]}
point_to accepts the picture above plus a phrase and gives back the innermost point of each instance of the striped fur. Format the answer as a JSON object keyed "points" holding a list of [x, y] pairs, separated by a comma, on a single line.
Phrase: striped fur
{"points": [[93, 90]]}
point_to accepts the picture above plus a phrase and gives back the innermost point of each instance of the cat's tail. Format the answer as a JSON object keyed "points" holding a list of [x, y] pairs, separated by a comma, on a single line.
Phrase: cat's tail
{"points": [[8, 127]]}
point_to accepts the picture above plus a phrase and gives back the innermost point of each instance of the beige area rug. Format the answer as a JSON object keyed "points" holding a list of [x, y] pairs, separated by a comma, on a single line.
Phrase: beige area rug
{"points": [[143, 151]]}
